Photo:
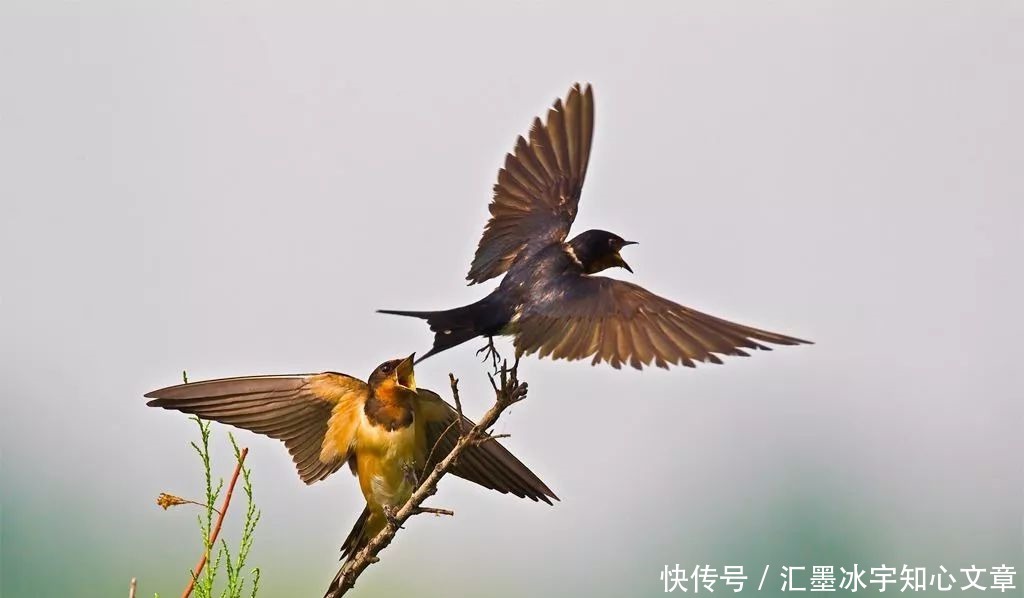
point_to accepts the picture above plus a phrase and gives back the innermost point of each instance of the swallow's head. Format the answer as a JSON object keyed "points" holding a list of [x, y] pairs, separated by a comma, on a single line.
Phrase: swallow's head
{"points": [[395, 374], [598, 250]]}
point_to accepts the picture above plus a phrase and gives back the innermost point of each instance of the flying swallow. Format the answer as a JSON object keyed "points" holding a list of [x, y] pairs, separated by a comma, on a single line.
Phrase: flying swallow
{"points": [[549, 299], [387, 430]]}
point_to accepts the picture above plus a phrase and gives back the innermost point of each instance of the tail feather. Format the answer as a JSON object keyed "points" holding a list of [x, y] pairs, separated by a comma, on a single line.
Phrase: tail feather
{"points": [[423, 315], [366, 527], [356, 538], [453, 327]]}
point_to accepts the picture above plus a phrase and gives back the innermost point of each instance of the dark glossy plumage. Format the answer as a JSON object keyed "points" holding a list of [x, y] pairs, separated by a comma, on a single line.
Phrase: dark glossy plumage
{"points": [[538, 189], [549, 300]]}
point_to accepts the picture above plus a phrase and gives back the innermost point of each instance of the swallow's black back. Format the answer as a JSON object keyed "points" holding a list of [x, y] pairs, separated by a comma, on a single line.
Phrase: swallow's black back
{"points": [[537, 275]]}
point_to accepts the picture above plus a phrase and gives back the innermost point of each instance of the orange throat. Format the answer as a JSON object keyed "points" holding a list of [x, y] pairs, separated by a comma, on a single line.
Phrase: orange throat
{"points": [[390, 406]]}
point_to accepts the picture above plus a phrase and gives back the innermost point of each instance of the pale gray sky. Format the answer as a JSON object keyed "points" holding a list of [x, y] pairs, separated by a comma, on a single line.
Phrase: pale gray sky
{"points": [[232, 188]]}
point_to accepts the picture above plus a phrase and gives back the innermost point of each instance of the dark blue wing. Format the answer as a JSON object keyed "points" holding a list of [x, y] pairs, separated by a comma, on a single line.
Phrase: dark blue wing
{"points": [[580, 316], [538, 190]]}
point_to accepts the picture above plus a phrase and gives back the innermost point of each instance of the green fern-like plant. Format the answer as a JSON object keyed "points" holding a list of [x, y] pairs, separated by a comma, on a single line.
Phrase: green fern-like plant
{"points": [[221, 554]]}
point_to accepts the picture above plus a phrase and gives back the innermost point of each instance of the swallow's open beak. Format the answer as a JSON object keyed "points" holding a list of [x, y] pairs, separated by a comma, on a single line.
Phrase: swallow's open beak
{"points": [[622, 263], [405, 374], [618, 258]]}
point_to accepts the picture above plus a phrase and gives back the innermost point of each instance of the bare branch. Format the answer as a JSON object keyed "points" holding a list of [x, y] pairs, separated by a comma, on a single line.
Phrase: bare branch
{"points": [[458, 402], [489, 438], [433, 511], [510, 392], [441, 437]]}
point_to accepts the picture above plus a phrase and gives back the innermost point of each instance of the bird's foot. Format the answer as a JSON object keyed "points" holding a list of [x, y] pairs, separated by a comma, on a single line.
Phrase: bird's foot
{"points": [[490, 352], [410, 475], [390, 514]]}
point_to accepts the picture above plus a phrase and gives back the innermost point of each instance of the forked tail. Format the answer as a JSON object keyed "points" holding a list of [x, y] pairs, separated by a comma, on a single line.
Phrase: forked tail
{"points": [[455, 326], [366, 527]]}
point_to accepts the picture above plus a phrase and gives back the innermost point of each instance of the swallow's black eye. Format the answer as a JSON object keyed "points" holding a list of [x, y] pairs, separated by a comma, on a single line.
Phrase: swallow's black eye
{"points": [[385, 368]]}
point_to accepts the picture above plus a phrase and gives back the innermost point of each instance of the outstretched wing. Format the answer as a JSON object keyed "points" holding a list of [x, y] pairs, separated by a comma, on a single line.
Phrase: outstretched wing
{"points": [[619, 322], [295, 409], [489, 464], [538, 190]]}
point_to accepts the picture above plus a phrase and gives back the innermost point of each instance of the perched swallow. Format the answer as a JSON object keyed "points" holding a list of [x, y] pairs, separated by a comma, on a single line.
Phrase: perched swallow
{"points": [[549, 300], [386, 430]]}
